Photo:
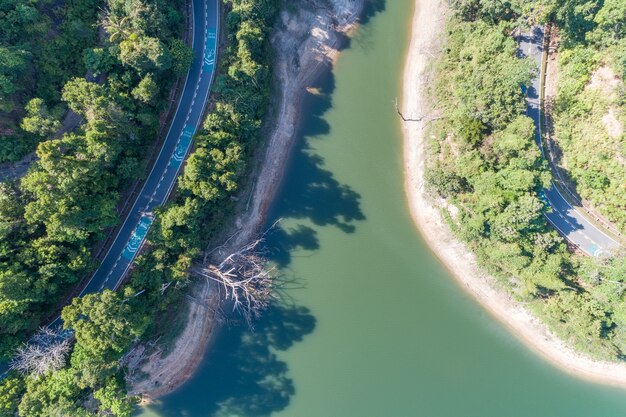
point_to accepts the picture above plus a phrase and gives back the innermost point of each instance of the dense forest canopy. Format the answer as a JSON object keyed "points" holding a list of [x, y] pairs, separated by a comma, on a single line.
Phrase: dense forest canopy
{"points": [[489, 174], [51, 219], [41, 48], [59, 210]]}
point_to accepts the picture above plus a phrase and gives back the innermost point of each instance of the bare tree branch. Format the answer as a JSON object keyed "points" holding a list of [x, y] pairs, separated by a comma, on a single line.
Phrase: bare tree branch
{"points": [[428, 118], [47, 351], [246, 280]]}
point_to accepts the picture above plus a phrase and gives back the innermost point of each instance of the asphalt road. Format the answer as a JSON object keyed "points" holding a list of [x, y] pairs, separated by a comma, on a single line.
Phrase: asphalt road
{"points": [[177, 144], [565, 218], [161, 179]]}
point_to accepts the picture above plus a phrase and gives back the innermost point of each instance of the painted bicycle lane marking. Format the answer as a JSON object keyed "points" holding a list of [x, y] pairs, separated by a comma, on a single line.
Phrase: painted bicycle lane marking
{"points": [[137, 237]]}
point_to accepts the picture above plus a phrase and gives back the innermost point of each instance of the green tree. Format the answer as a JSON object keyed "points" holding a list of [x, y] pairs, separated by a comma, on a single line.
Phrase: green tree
{"points": [[12, 63], [11, 390], [182, 56], [519, 219], [90, 370], [179, 224], [611, 21], [576, 18], [17, 293], [52, 395], [98, 60], [118, 27], [145, 54], [84, 97], [103, 323], [212, 173], [487, 87], [147, 90], [582, 320], [38, 119], [113, 399]]}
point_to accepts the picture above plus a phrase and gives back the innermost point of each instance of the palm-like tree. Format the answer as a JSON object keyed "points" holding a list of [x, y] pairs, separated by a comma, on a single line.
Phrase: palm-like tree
{"points": [[117, 27]]}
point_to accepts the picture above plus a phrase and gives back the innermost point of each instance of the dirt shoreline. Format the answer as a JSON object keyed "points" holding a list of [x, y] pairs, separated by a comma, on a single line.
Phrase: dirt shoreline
{"points": [[306, 42], [426, 36]]}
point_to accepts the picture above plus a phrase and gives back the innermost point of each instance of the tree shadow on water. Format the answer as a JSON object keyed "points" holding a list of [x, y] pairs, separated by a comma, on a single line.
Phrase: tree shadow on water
{"points": [[310, 192], [365, 36], [243, 375], [372, 8], [283, 241], [322, 199]]}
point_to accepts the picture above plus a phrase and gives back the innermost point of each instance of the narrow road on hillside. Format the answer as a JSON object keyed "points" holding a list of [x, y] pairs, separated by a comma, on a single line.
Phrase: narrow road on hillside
{"points": [[565, 218], [162, 177], [177, 143]]}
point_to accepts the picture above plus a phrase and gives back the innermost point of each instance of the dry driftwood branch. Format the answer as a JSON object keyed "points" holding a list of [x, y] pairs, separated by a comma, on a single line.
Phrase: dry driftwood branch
{"points": [[132, 359], [404, 119], [164, 287], [428, 118], [47, 351]]}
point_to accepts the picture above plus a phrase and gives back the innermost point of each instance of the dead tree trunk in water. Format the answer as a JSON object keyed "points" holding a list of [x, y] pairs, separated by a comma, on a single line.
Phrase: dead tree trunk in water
{"points": [[402, 116]]}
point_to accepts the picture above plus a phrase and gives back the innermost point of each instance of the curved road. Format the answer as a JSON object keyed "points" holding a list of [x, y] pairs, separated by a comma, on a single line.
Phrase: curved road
{"points": [[177, 143], [565, 218], [162, 177]]}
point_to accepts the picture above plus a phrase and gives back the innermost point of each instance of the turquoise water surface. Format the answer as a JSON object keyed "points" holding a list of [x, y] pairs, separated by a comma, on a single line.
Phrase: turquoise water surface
{"points": [[371, 324]]}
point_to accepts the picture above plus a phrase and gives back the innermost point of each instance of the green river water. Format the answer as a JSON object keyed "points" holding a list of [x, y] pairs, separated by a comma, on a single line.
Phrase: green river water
{"points": [[373, 325]]}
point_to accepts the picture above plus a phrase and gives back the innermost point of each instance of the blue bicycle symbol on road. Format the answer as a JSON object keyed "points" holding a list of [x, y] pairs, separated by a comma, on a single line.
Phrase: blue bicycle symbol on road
{"points": [[137, 237]]}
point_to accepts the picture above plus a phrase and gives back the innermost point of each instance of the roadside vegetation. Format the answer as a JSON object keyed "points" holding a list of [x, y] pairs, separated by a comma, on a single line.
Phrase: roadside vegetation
{"points": [[41, 48], [487, 173], [65, 202], [50, 220], [589, 110]]}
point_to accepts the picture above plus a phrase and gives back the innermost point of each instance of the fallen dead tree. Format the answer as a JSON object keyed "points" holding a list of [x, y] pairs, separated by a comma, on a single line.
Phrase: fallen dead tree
{"points": [[244, 279]]}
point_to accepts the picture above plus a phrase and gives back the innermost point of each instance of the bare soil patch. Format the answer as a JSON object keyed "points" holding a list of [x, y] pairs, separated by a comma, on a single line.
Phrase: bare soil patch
{"points": [[608, 82], [613, 126], [605, 80]]}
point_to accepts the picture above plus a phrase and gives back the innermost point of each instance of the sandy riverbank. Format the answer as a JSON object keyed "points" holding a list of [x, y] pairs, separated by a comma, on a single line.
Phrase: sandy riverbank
{"points": [[428, 23]]}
